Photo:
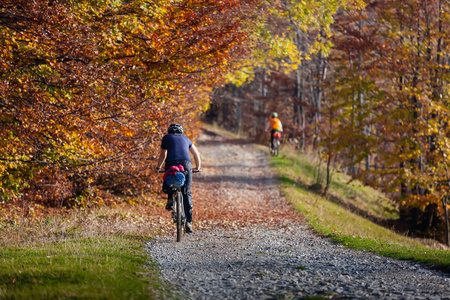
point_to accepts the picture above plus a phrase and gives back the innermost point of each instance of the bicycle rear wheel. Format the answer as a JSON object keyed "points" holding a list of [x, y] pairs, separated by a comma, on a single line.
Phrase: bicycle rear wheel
{"points": [[179, 205], [277, 147]]}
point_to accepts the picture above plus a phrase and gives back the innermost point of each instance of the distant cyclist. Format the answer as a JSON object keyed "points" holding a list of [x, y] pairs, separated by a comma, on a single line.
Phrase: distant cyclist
{"points": [[175, 148], [274, 125]]}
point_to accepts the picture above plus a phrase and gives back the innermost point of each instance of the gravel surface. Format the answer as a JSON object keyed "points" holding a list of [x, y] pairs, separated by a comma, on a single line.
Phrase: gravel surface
{"points": [[265, 252]]}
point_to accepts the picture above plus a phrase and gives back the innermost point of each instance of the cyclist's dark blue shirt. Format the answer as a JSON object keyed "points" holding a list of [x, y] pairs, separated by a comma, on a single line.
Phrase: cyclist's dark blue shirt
{"points": [[177, 146]]}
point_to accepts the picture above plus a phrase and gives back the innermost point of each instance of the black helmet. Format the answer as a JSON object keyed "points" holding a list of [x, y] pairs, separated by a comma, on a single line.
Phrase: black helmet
{"points": [[175, 128]]}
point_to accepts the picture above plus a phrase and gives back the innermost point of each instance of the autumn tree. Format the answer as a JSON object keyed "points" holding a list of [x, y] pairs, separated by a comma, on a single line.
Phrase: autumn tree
{"points": [[87, 88], [391, 66]]}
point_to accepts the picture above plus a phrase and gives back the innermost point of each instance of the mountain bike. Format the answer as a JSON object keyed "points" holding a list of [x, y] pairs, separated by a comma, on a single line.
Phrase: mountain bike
{"points": [[178, 215], [275, 149]]}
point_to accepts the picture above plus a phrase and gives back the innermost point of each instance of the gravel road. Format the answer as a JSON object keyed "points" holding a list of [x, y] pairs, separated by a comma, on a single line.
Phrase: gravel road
{"points": [[258, 248]]}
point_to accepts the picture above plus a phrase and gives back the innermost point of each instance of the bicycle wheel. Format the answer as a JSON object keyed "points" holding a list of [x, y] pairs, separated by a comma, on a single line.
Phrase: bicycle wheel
{"points": [[277, 147], [179, 204]]}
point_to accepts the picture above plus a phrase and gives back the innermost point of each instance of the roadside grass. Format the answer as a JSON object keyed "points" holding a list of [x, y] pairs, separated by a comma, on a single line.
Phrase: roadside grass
{"points": [[110, 267], [307, 170], [85, 255], [339, 216]]}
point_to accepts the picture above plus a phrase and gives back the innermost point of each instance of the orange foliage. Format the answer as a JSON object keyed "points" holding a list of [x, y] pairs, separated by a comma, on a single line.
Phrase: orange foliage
{"points": [[87, 89]]}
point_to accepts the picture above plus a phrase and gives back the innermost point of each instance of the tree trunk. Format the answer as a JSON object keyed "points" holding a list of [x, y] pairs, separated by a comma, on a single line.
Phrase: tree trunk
{"points": [[329, 156], [321, 68], [301, 109], [444, 205]]}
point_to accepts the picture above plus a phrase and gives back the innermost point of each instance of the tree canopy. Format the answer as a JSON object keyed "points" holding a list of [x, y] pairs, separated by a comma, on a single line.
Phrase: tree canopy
{"points": [[88, 87]]}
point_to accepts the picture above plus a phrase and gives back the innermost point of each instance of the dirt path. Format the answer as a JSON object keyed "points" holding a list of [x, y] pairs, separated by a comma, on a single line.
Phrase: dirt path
{"points": [[237, 187], [250, 244]]}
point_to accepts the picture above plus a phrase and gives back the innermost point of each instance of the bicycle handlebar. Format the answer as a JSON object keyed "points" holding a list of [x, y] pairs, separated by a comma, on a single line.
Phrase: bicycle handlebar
{"points": [[196, 171]]}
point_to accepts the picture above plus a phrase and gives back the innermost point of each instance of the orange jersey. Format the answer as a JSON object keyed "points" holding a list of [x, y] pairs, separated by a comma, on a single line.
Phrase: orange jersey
{"points": [[275, 124]]}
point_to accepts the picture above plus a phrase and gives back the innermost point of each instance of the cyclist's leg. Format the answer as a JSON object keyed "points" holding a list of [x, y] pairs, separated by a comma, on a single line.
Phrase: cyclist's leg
{"points": [[169, 204], [187, 194], [271, 138], [170, 192]]}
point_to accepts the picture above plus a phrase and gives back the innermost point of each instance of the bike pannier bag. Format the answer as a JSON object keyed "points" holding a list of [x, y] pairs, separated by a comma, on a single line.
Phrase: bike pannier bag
{"points": [[176, 180]]}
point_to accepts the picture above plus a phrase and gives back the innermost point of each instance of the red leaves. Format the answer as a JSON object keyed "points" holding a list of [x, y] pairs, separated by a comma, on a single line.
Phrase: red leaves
{"points": [[88, 88]]}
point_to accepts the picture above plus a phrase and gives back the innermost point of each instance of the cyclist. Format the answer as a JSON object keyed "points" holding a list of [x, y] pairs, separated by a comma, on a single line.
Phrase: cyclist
{"points": [[274, 125], [175, 148]]}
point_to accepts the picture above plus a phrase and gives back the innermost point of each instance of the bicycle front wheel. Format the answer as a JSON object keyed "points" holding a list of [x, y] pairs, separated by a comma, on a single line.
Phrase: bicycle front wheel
{"points": [[179, 204]]}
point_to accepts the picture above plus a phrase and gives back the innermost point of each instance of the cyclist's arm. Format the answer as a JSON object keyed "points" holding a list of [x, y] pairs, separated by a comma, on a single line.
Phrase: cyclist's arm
{"points": [[162, 158], [281, 127], [198, 161]]}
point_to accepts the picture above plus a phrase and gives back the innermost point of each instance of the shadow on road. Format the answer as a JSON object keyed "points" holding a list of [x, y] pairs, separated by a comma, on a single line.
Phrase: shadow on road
{"points": [[256, 182], [237, 166], [221, 142], [212, 142]]}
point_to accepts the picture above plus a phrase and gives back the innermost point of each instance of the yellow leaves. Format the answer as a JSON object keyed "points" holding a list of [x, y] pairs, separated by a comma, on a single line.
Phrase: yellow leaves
{"points": [[240, 76], [433, 127], [280, 50]]}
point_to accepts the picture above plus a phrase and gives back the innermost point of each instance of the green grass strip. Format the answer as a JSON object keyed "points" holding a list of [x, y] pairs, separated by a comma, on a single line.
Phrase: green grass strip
{"points": [[439, 259], [345, 227], [112, 267]]}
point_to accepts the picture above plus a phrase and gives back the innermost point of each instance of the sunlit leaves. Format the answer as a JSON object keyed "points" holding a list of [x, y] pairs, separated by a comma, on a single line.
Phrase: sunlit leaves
{"points": [[88, 87], [278, 45]]}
